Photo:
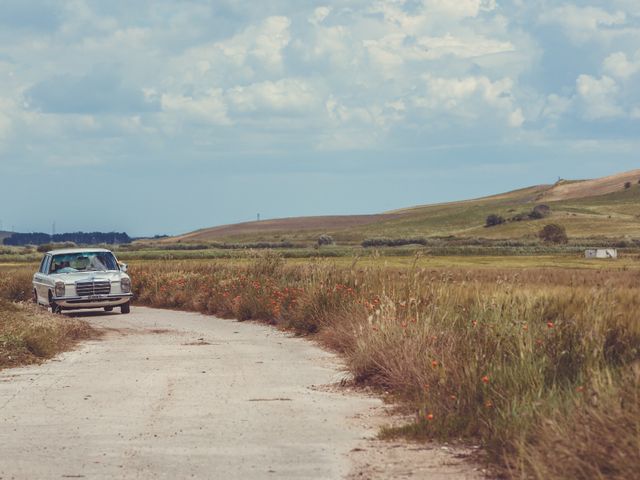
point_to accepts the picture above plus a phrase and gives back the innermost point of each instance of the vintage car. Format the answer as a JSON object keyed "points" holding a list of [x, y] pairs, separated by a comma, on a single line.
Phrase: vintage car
{"points": [[82, 278]]}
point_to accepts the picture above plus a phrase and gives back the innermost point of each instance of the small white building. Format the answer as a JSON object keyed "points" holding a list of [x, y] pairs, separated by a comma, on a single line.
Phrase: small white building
{"points": [[601, 253]]}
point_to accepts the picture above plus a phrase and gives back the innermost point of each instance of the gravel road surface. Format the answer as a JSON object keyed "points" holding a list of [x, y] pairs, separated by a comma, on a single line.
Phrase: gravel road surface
{"points": [[167, 394]]}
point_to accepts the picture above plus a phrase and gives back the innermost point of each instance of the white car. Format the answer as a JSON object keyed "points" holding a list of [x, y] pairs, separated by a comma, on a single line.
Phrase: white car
{"points": [[82, 278]]}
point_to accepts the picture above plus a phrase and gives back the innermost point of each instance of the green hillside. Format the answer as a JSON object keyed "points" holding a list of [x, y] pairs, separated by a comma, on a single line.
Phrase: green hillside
{"points": [[607, 207]]}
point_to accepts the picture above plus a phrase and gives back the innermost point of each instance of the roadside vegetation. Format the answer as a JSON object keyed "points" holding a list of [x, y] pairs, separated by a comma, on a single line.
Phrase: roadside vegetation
{"points": [[541, 366], [29, 334]]}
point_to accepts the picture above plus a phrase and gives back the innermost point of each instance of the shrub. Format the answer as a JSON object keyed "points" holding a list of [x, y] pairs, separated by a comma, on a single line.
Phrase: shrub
{"points": [[45, 247], [493, 220], [520, 217], [627, 185], [540, 211], [393, 242], [553, 233], [325, 239]]}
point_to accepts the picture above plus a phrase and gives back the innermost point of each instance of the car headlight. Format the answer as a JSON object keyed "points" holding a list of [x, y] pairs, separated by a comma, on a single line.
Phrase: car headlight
{"points": [[125, 285], [59, 289]]}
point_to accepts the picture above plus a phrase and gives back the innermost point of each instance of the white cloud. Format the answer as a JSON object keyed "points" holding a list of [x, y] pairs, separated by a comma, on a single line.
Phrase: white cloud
{"points": [[319, 15], [270, 40], [618, 65], [459, 8], [583, 24], [555, 106], [210, 108], [392, 50], [467, 97], [240, 57], [598, 96], [286, 95]]}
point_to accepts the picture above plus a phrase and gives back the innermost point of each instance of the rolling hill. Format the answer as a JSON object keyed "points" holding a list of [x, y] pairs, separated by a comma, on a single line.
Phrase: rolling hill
{"points": [[603, 207]]}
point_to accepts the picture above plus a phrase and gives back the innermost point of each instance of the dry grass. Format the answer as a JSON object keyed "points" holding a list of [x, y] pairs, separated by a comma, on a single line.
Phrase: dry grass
{"points": [[540, 365], [512, 358], [28, 333]]}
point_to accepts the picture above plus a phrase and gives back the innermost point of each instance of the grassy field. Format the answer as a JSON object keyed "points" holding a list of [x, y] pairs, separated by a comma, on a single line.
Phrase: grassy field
{"points": [[535, 358]]}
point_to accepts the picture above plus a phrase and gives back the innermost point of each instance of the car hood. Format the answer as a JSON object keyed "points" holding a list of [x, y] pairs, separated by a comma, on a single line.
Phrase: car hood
{"points": [[89, 276]]}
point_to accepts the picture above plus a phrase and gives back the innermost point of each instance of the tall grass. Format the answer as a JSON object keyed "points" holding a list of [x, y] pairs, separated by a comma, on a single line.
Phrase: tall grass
{"points": [[28, 333], [515, 359], [542, 366]]}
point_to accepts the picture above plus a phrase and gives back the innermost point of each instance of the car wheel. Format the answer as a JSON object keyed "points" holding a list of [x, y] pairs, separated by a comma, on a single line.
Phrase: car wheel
{"points": [[35, 296], [55, 308], [108, 309], [125, 308]]}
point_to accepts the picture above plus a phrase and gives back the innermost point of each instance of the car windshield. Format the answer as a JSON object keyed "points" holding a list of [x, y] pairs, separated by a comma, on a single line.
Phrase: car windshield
{"points": [[83, 262]]}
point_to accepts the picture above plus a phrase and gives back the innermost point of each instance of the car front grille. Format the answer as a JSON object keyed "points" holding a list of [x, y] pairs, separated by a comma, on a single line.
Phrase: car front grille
{"points": [[93, 288]]}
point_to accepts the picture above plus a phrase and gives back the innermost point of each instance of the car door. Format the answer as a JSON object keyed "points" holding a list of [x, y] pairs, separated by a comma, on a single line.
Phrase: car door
{"points": [[40, 280]]}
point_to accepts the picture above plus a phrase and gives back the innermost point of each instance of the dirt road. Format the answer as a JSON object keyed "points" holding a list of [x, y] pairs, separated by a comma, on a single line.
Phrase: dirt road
{"points": [[179, 395], [175, 395]]}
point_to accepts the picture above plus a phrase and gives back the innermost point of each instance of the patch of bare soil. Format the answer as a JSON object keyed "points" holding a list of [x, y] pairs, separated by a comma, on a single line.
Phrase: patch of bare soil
{"points": [[590, 188], [375, 459], [385, 459]]}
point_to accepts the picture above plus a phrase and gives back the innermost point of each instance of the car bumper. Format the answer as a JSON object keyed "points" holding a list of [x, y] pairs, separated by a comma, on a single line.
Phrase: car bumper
{"points": [[93, 301]]}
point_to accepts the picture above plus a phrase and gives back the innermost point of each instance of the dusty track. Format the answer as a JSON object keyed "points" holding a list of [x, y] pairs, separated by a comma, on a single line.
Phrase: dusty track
{"points": [[180, 395]]}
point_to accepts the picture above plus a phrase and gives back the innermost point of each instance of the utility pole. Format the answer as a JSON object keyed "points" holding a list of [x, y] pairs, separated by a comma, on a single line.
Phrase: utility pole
{"points": [[258, 217], [53, 230]]}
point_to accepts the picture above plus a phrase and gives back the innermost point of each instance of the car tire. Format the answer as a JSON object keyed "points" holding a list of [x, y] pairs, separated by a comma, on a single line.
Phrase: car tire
{"points": [[125, 307], [34, 297], [108, 309], [55, 308]]}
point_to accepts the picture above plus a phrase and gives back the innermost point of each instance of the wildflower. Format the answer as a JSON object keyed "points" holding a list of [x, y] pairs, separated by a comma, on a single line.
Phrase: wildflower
{"points": [[549, 324], [580, 389], [488, 404], [430, 416], [434, 363], [485, 379], [453, 397], [474, 323]]}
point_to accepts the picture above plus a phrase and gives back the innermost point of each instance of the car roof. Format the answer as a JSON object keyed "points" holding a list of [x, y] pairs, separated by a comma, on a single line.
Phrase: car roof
{"points": [[78, 250]]}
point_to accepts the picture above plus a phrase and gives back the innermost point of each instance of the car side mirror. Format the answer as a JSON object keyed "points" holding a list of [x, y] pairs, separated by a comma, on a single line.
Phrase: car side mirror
{"points": [[123, 267]]}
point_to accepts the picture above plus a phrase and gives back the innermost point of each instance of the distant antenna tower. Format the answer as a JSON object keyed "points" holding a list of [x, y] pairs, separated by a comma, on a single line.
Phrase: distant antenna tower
{"points": [[53, 230], [258, 217]]}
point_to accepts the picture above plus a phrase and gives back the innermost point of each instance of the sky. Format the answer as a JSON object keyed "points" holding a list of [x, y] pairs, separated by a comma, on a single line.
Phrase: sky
{"points": [[164, 116]]}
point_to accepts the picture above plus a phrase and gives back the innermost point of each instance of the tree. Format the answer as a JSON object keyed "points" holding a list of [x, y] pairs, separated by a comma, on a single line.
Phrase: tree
{"points": [[493, 220], [553, 233]]}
